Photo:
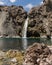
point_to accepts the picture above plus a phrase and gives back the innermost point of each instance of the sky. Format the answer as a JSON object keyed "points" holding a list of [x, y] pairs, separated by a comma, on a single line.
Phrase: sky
{"points": [[27, 4]]}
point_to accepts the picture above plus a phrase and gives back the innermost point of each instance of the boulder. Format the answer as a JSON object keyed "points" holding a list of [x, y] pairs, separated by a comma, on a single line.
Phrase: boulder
{"points": [[38, 54]]}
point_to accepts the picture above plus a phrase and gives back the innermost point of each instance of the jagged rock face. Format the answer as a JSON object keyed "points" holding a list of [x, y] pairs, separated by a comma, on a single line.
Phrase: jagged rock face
{"points": [[13, 19], [47, 2], [40, 21], [38, 54]]}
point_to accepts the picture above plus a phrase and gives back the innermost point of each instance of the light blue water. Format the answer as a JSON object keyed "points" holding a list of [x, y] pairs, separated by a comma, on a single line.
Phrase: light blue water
{"points": [[16, 43]]}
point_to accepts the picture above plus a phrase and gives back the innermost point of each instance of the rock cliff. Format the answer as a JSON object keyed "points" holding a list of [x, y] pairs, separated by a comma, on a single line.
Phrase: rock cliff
{"points": [[40, 20], [11, 20], [39, 25]]}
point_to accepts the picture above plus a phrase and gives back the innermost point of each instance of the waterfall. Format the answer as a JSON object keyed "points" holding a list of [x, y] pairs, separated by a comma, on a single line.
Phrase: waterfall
{"points": [[24, 32]]}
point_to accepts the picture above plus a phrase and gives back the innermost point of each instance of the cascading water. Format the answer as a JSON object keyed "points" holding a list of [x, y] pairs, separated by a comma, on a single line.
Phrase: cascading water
{"points": [[25, 28], [24, 32]]}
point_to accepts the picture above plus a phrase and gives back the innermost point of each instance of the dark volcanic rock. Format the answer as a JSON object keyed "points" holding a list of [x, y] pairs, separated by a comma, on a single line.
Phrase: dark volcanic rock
{"points": [[13, 19], [38, 54], [40, 20]]}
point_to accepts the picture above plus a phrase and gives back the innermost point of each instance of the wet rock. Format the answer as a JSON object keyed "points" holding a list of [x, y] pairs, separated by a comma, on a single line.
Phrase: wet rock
{"points": [[38, 54]]}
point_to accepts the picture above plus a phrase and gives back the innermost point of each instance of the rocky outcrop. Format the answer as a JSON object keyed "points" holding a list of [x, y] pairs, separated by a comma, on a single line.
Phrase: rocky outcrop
{"points": [[40, 20], [38, 54], [39, 25], [11, 20]]}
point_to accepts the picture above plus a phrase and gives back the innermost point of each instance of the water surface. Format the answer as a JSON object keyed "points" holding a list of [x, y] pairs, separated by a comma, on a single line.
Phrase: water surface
{"points": [[16, 43]]}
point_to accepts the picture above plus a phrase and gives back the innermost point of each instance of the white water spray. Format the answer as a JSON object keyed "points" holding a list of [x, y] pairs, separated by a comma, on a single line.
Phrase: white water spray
{"points": [[24, 32]]}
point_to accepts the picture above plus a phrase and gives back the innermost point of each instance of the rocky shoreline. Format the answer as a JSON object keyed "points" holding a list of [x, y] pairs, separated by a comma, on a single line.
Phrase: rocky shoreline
{"points": [[11, 57], [36, 54]]}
